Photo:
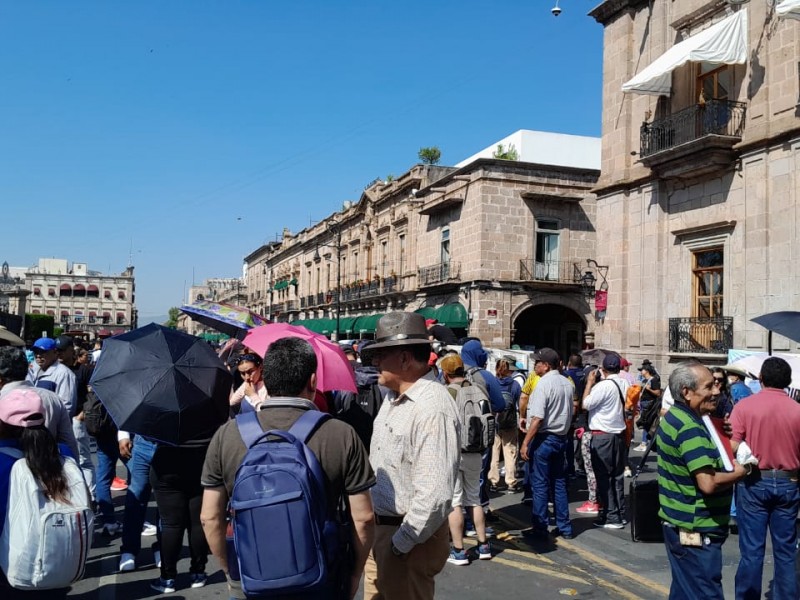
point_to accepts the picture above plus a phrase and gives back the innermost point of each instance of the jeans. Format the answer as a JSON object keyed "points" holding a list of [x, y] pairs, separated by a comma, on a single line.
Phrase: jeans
{"points": [[696, 571], [138, 494], [107, 457], [548, 452], [643, 406], [175, 477], [84, 457], [767, 502]]}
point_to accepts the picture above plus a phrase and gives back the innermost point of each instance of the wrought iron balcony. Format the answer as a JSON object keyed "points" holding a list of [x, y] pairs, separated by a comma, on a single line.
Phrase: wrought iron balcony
{"points": [[554, 271], [714, 117], [701, 335], [441, 273]]}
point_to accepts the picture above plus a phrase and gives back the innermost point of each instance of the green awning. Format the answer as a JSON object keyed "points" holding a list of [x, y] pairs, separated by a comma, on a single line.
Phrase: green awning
{"points": [[453, 315], [427, 311], [324, 326], [346, 324], [307, 323], [367, 323]]}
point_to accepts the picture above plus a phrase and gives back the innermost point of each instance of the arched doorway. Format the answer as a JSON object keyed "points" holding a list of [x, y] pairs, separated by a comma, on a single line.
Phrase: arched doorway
{"points": [[552, 326]]}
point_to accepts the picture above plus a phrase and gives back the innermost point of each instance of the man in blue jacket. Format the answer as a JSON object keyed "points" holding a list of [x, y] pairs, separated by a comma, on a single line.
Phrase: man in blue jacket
{"points": [[474, 358]]}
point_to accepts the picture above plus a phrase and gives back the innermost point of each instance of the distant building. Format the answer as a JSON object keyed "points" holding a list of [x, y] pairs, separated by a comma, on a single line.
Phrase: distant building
{"points": [[494, 248], [79, 299]]}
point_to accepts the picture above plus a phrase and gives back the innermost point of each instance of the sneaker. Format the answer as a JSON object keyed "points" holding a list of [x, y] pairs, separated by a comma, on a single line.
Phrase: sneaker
{"points": [[163, 586], [588, 508], [199, 580], [608, 525], [118, 484], [127, 562], [498, 487], [148, 529], [111, 529], [485, 551], [458, 557], [640, 448], [472, 533], [628, 472]]}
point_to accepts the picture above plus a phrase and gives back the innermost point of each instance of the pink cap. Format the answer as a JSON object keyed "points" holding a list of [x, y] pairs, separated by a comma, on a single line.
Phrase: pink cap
{"points": [[22, 408]]}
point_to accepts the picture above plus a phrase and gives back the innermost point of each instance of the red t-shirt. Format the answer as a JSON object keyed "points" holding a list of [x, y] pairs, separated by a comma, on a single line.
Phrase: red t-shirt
{"points": [[769, 422]]}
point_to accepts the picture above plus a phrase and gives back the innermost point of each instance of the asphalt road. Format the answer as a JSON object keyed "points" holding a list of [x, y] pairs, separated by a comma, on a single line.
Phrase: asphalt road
{"points": [[598, 563]]}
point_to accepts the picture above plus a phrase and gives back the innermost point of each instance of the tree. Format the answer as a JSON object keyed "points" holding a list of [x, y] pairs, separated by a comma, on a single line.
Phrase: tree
{"points": [[172, 322], [430, 155], [503, 154]]}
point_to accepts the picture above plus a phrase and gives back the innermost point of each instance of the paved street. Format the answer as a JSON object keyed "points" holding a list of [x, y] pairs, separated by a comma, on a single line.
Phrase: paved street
{"points": [[598, 563]]}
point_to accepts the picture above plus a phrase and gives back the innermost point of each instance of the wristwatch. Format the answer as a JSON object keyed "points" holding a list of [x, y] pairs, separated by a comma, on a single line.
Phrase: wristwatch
{"points": [[397, 552]]}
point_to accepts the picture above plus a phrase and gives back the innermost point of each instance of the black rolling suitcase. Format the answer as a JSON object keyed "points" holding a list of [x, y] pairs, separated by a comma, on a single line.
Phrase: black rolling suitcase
{"points": [[644, 505]]}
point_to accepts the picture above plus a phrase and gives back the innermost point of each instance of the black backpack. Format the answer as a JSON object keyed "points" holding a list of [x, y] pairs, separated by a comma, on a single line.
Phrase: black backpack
{"points": [[359, 410], [99, 423]]}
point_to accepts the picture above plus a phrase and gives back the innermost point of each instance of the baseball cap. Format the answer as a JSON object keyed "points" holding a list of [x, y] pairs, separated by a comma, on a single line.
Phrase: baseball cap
{"points": [[44, 345], [512, 362], [429, 322], [547, 355], [624, 362], [63, 342], [452, 365], [22, 408], [611, 362]]}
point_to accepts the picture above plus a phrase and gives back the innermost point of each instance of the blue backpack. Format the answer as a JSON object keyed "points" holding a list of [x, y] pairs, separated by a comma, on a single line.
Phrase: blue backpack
{"points": [[286, 539]]}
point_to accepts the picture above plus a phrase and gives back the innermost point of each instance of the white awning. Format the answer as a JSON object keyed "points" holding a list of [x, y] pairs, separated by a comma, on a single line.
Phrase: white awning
{"points": [[724, 43], [788, 9]]}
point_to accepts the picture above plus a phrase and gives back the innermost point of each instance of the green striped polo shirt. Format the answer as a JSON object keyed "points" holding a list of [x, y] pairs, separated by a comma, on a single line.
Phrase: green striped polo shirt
{"points": [[684, 447]]}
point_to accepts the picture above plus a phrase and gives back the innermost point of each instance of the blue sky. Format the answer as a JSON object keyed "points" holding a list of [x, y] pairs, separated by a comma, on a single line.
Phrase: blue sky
{"points": [[153, 126]]}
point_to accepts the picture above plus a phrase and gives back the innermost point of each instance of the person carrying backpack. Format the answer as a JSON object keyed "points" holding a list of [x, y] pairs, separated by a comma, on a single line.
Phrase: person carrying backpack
{"points": [[466, 493], [506, 438], [305, 466], [359, 409], [475, 358], [47, 520]]}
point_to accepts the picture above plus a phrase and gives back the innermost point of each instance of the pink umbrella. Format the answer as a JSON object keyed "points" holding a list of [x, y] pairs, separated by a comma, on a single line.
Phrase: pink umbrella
{"points": [[333, 369]]}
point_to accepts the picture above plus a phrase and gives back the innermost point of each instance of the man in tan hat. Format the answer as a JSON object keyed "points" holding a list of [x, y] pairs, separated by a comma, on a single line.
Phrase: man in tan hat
{"points": [[415, 454]]}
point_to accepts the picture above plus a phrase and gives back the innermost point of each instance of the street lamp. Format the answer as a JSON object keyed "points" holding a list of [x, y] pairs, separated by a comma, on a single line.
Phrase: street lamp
{"points": [[588, 280], [317, 258], [269, 292]]}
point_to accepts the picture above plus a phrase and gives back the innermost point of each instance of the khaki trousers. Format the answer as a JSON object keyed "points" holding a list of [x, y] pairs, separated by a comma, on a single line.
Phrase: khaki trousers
{"points": [[505, 439], [410, 577]]}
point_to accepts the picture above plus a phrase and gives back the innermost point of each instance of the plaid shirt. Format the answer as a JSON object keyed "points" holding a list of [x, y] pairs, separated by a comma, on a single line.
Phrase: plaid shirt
{"points": [[415, 453]]}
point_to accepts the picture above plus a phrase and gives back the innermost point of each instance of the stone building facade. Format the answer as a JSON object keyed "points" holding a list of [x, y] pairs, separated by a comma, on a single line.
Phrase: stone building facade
{"points": [[80, 299], [697, 202], [494, 248]]}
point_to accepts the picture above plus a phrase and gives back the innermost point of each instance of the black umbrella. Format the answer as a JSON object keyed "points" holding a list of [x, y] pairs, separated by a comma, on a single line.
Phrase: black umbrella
{"points": [[162, 384], [785, 322]]}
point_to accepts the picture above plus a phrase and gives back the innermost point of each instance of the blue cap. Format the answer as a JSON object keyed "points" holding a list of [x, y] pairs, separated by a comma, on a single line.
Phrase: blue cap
{"points": [[44, 344]]}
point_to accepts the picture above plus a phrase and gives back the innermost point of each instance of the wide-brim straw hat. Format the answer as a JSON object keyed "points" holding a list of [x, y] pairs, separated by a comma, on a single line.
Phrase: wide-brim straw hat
{"points": [[10, 338], [736, 371], [398, 329]]}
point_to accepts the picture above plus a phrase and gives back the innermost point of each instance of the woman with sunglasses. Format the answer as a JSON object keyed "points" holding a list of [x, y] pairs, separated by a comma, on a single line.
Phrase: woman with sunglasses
{"points": [[252, 391], [721, 396]]}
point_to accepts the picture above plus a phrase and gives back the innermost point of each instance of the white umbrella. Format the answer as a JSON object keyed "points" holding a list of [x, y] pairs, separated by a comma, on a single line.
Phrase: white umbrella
{"points": [[752, 364]]}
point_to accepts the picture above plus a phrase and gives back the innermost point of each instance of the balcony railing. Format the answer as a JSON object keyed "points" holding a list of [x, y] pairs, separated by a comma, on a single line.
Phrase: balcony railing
{"points": [[701, 335], [714, 117], [441, 273], [291, 305], [555, 271]]}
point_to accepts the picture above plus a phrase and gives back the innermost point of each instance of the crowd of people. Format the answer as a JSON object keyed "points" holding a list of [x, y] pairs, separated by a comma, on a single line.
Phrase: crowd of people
{"points": [[415, 453]]}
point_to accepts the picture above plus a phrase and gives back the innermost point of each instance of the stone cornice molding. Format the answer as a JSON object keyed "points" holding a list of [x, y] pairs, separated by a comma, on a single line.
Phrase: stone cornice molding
{"points": [[608, 10]]}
